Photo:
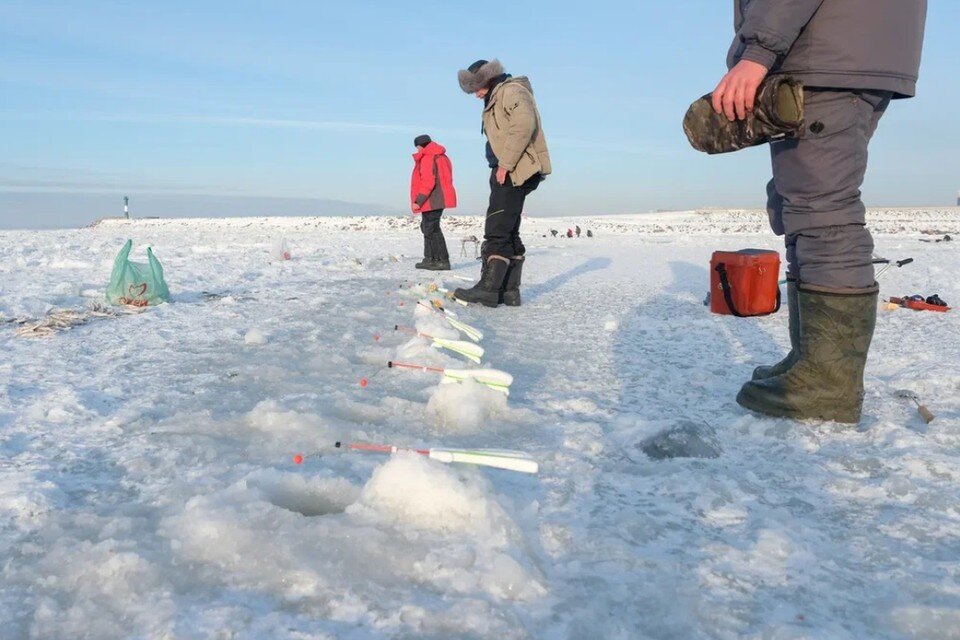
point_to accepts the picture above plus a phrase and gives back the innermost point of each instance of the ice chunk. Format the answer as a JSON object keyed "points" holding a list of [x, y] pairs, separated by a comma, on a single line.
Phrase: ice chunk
{"points": [[686, 440]]}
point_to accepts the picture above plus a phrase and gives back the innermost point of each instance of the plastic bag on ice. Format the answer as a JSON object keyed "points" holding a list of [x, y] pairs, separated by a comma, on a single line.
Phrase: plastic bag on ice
{"points": [[280, 249], [135, 283]]}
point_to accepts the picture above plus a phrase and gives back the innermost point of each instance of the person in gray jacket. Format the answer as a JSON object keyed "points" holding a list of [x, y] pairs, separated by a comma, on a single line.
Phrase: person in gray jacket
{"points": [[853, 57]]}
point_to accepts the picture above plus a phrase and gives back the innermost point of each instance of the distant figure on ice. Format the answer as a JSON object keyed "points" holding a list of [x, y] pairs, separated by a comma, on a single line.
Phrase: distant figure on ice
{"points": [[853, 57], [589, 233], [553, 232], [431, 191], [577, 230], [569, 233], [518, 159]]}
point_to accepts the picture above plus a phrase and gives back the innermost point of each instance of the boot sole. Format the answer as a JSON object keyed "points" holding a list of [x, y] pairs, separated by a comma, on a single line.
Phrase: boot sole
{"points": [[487, 303], [510, 300], [492, 305], [746, 400]]}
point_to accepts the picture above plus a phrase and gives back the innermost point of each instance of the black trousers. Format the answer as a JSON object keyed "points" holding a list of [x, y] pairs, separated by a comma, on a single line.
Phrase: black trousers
{"points": [[501, 233], [434, 244]]}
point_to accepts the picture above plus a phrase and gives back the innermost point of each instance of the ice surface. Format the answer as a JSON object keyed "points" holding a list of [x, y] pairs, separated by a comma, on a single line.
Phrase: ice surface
{"points": [[147, 488]]}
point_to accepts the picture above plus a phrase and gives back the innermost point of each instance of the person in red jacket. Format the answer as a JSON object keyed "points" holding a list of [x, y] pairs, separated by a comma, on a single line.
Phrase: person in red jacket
{"points": [[431, 191]]}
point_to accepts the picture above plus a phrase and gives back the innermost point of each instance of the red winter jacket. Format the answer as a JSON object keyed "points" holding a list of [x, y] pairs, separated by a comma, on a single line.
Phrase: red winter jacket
{"points": [[431, 186]]}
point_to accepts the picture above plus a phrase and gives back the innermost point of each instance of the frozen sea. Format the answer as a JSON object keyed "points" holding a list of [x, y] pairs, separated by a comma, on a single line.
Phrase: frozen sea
{"points": [[147, 488]]}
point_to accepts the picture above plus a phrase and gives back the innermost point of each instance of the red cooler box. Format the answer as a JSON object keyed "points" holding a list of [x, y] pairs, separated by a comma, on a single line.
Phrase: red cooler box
{"points": [[745, 283]]}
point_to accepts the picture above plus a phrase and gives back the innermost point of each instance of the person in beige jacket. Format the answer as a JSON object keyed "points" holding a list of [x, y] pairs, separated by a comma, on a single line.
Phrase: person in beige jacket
{"points": [[518, 158]]}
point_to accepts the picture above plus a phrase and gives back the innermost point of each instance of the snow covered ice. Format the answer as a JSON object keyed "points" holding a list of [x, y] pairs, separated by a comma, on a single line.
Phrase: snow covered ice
{"points": [[147, 488]]}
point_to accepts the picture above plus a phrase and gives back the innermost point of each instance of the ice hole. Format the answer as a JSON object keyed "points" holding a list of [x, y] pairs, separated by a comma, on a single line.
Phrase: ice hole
{"points": [[308, 497]]}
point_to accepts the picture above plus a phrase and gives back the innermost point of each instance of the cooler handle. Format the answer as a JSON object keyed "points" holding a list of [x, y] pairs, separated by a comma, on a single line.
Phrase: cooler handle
{"points": [[728, 294]]}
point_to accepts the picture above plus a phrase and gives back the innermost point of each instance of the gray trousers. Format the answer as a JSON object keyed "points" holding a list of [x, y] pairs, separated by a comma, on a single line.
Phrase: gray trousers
{"points": [[814, 197]]}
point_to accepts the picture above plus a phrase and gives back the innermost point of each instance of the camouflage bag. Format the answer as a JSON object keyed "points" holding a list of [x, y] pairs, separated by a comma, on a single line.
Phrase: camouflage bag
{"points": [[777, 114]]}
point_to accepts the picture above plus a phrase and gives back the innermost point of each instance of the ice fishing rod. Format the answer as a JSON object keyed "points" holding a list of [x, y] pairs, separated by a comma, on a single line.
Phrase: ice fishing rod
{"points": [[888, 264], [410, 292], [471, 332], [449, 296], [493, 378], [468, 350], [496, 458]]}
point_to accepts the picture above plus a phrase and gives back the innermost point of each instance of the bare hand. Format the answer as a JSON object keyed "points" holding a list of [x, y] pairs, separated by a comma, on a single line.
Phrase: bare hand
{"points": [[737, 91], [501, 175]]}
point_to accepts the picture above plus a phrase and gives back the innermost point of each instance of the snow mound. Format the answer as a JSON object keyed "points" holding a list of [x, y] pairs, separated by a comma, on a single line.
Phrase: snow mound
{"points": [[24, 502], [296, 539], [287, 430], [105, 591], [413, 491], [255, 337], [466, 407], [421, 351], [434, 325]]}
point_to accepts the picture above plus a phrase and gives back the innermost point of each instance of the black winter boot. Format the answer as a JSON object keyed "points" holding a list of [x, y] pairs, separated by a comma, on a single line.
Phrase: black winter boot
{"points": [[487, 291], [793, 308], [441, 259], [510, 295], [826, 382], [428, 255]]}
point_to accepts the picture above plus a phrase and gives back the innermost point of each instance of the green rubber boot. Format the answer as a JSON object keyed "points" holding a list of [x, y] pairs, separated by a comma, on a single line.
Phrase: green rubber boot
{"points": [[826, 382], [784, 365]]}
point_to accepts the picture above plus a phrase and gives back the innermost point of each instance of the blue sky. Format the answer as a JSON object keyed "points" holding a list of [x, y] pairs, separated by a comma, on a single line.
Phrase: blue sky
{"points": [[322, 100]]}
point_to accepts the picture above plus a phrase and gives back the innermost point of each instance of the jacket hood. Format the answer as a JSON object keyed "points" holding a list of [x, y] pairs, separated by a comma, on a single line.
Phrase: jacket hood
{"points": [[523, 81], [432, 149]]}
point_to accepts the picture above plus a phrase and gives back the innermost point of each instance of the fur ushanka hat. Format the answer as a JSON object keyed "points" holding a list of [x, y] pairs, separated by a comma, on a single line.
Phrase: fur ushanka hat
{"points": [[478, 75]]}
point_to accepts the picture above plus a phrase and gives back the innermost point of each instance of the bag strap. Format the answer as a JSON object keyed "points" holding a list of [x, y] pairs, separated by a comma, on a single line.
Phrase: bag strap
{"points": [[728, 294]]}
